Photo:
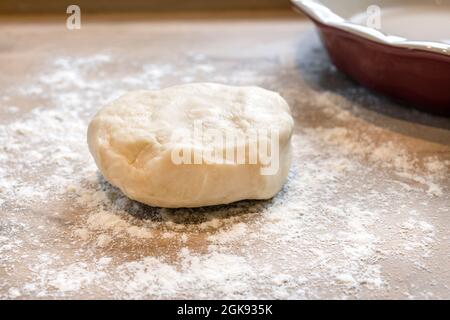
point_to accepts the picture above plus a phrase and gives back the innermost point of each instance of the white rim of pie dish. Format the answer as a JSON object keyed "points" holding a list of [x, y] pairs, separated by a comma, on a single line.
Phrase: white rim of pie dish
{"points": [[326, 16]]}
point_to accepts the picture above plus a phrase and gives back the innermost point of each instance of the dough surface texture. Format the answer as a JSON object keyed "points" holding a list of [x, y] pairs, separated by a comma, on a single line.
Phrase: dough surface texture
{"points": [[154, 145]]}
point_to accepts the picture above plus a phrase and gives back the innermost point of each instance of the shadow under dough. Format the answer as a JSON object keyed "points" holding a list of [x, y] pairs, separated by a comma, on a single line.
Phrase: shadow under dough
{"points": [[182, 216]]}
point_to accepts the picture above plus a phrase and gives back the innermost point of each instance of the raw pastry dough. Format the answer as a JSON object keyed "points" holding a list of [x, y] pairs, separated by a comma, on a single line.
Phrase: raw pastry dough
{"points": [[143, 142]]}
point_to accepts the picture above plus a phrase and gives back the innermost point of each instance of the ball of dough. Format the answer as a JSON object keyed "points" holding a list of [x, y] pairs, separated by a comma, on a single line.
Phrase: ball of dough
{"points": [[194, 145]]}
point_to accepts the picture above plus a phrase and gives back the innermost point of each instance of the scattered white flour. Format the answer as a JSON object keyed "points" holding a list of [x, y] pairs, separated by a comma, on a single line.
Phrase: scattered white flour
{"points": [[320, 237]]}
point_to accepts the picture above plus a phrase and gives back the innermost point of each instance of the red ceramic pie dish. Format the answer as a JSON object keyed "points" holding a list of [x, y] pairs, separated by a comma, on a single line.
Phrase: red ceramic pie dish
{"points": [[415, 69]]}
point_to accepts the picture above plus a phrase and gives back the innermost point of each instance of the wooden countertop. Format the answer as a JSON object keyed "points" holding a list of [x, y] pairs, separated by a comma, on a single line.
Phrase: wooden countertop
{"points": [[364, 214]]}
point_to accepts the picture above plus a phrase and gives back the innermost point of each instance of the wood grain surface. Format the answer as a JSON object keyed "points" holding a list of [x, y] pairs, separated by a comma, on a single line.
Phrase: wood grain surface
{"points": [[365, 213]]}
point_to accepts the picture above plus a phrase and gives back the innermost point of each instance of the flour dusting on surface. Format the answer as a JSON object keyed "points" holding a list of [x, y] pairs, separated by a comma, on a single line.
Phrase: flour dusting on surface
{"points": [[319, 237]]}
